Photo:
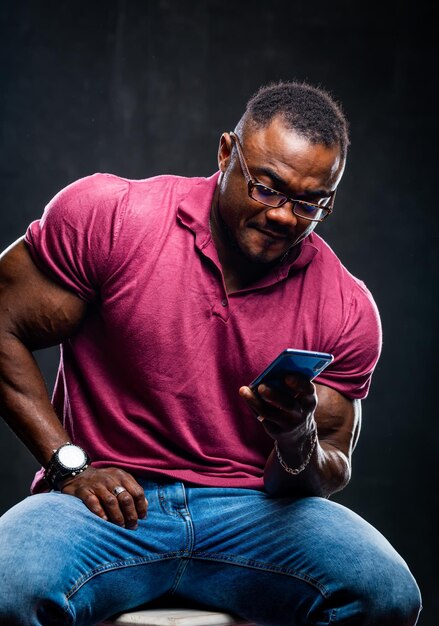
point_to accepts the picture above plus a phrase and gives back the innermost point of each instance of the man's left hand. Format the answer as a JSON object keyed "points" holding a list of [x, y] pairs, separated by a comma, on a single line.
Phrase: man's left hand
{"points": [[287, 412]]}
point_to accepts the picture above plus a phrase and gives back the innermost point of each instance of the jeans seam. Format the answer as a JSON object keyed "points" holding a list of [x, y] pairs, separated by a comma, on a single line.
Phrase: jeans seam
{"points": [[107, 567], [185, 515], [262, 565]]}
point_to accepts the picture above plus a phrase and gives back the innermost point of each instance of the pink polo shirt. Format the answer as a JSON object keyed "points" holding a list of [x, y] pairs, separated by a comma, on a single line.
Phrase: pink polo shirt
{"points": [[150, 381]]}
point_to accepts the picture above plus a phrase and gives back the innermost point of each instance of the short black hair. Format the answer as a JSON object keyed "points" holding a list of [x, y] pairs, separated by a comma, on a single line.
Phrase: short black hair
{"points": [[311, 111]]}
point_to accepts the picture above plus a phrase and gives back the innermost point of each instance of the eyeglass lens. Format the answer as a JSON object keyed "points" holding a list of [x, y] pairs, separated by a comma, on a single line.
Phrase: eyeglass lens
{"points": [[273, 198]]}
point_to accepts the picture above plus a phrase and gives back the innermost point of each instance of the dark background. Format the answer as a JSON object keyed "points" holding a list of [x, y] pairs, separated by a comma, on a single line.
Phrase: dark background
{"points": [[141, 88]]}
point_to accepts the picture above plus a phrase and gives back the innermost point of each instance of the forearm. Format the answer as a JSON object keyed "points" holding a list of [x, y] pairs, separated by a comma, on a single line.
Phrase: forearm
{"points": [[24, 401], [25, 404], [314, 429], [326, 472]]}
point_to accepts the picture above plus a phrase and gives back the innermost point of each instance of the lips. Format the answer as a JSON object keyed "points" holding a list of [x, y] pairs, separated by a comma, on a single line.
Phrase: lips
{"points": [[271, 234]]}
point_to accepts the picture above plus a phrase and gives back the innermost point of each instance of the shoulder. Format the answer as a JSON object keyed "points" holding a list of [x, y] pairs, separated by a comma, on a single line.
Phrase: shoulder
{"points": [[100, 195], [97, 186], [352, 323], [82, 201], [168, 190], [334, 275], [100, 186]]}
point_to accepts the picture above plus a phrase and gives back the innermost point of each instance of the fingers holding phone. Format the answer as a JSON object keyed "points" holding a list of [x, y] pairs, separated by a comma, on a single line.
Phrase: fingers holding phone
{"points": [[282, 410], [283, 395]]}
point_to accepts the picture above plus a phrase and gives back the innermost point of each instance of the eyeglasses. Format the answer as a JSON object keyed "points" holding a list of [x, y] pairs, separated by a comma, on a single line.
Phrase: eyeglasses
{"points": [[272, 198]]}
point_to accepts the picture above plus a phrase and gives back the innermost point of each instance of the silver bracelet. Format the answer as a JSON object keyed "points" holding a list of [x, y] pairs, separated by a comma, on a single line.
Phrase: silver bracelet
{"points": [[299, 469]]}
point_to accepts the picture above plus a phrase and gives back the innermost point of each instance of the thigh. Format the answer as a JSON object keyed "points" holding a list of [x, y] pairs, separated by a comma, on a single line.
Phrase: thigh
{"points": [[290, 561], [61, 564]]}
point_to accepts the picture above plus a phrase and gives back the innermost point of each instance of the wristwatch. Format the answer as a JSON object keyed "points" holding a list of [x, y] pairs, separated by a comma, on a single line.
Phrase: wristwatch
{"points": [[68, 460]]}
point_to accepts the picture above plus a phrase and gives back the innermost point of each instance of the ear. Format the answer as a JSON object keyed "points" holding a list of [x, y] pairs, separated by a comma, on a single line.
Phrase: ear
{"points": [[224, 151]]}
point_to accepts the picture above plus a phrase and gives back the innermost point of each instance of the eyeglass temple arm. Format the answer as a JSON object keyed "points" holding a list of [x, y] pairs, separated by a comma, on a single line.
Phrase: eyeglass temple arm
{"points": [[331, 201], [245, 170]]}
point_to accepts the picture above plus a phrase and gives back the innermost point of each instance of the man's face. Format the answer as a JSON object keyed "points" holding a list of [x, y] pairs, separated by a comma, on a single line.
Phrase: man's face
{"points": [[283, 160]]}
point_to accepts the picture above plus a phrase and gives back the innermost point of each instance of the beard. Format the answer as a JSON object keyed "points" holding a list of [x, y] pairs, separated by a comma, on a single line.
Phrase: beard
{"points": [[260, 259]]}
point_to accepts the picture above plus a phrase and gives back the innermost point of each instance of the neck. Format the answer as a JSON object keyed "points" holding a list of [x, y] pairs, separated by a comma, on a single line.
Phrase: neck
{"points": [[238, 271]]}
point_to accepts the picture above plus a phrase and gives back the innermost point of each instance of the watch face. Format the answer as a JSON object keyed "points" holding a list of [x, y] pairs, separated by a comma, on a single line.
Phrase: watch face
{"points": [[71, 457]]}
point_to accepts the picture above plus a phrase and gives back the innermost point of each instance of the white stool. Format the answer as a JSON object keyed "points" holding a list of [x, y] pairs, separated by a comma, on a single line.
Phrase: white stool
{"points": [[175, 617]]}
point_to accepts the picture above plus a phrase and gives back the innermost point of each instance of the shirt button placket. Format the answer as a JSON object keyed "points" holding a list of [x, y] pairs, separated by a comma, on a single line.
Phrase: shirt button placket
{"points": [[221, 307]]}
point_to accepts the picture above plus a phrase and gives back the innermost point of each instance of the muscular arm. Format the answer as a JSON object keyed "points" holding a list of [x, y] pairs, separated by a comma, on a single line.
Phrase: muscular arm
{"points": [[290, 418], [35, 313]]}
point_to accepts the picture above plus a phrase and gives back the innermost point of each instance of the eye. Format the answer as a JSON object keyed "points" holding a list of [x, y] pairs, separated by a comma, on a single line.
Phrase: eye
{"points": [[307, 208], [266, 191]]}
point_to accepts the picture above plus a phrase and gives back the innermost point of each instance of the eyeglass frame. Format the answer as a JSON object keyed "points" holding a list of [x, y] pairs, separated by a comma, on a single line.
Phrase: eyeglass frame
{"points": [[253, 182]]}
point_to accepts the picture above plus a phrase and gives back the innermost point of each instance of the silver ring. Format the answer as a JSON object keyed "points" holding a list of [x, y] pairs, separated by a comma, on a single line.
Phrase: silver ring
{"points": [[118, 490]]}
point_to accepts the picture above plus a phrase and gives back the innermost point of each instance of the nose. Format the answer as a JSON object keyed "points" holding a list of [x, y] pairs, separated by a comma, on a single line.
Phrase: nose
{"points": [[282, 215]]}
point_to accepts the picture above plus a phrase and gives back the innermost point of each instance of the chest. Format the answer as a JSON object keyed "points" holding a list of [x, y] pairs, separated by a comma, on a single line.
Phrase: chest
{"points": [[169, 313]]}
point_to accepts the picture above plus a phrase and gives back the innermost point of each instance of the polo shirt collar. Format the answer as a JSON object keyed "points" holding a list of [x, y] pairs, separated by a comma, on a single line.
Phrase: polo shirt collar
{"points": [[194, 213], [194, 210]]}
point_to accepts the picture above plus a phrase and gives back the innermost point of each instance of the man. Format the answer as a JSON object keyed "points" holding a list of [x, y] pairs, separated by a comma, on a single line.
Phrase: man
{"points": [[168, 296]]}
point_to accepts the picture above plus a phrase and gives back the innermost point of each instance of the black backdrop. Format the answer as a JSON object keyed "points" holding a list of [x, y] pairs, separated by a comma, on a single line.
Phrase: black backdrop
{"points": [[139, 88]]}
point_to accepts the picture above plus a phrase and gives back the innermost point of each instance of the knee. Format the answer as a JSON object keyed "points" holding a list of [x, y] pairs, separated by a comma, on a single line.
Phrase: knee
{"points": [[373, 581], [28, 598], [388, 595], [29, 610], [400, 598], [29, 590]]}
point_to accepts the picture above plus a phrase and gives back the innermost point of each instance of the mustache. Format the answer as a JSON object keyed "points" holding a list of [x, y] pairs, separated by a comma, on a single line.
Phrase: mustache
{"points": [[280, 231]]}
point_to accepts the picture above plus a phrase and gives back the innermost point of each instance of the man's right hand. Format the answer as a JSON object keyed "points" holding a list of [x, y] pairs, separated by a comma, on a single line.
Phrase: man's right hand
{"points": [[95, 487]]}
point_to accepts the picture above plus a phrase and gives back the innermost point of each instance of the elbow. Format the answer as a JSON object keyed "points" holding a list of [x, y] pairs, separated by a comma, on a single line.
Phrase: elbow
{"points": [[320, 482]]}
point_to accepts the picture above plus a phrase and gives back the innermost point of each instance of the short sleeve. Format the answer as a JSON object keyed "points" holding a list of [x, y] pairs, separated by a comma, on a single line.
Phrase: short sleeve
{"points": [[357, 349], [74, 239]]}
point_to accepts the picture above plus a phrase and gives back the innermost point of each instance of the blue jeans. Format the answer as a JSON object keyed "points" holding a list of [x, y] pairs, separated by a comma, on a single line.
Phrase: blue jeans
{"points": [[275, 562]]}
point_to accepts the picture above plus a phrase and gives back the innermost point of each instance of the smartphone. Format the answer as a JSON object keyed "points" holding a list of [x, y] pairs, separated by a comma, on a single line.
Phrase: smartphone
{"points": [[309, 364]]}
